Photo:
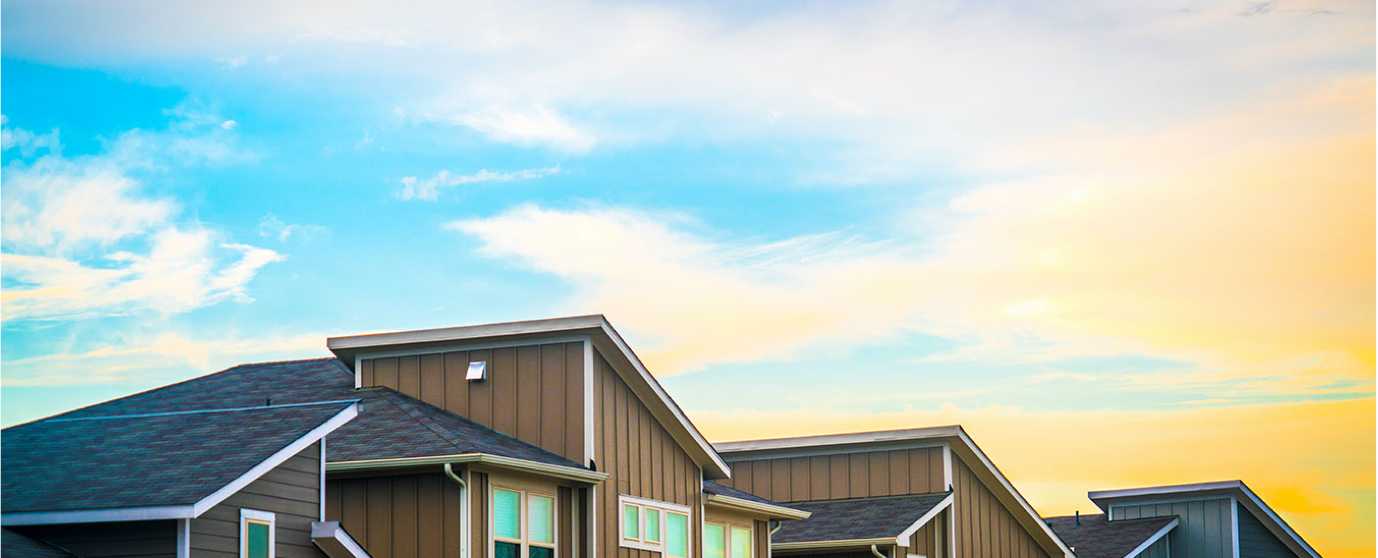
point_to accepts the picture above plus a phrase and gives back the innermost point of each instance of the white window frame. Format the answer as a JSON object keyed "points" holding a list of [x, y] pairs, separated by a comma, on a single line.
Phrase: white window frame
{"points": [[664, 509], [727, 527], [525, 491], [247, 516]]}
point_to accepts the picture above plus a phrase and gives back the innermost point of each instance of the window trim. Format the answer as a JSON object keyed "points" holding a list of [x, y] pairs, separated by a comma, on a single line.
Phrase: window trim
{"points": [[524, 490], [664, 508], [247, 516]]}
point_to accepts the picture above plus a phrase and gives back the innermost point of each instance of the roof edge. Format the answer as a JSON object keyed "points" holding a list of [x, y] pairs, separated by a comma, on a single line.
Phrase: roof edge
{"points": [[463, 333], [547, 469], [1160, 533], [827, 440], [840, 543], [742, 504]]}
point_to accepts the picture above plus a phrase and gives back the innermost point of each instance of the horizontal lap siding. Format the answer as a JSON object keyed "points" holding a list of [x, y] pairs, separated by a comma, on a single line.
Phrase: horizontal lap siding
{"points": [[1205, 529], [405, 516], [533, 392], [848, 475], [640, 458], [291, 491], [132, 539]]}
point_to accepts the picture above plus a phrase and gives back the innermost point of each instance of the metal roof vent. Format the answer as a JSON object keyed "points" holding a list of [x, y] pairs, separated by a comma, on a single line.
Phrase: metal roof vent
{"points": [[477, 371]]}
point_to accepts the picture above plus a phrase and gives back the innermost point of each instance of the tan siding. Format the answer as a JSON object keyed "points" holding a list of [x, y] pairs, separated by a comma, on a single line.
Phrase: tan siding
{"points": [[132, 539], [404, 516], [985, 528], [852, 475], [291, 491]]}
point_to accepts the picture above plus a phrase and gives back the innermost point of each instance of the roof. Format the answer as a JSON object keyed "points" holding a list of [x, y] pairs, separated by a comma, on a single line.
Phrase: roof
{"points": [[744, 447], [14, 544], [390, 425], [862, 519], [1095, 537], [726, 496], [171, 464], [1235, 489], [594, 328]]}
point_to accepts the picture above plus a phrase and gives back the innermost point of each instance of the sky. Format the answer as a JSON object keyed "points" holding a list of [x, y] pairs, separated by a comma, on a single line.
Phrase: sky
{"points": [[1123, 244]]}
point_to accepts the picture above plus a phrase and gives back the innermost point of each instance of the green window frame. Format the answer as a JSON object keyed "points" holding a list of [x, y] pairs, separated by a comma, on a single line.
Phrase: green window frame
{"points": [[523, 522], [257, 534]]}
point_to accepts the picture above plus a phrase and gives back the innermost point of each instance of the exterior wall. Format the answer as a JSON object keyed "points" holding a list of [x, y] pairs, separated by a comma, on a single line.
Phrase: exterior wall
{"points": [[479, 505], [1159, 549], [641, 459], [760, 529], [533, 392], [984, 528], [929, 540], [1205, 531], [404, 516], [128, 539], [843, 475], [291, 491], [1255, 541]]}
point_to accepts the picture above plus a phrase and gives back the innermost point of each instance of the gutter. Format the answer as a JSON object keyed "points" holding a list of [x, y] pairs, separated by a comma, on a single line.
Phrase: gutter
{"points": [[842, 543], [546, 469], [743, 504]]}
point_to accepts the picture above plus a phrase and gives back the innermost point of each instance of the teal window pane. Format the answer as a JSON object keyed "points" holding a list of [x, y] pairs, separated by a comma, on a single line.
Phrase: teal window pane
{"points": [[507, 514], [714, 543], [506, 550], [631, 522], [540, 518], [258, 540], [741, 543], [541, 552], [677, 535], [652, 525]]}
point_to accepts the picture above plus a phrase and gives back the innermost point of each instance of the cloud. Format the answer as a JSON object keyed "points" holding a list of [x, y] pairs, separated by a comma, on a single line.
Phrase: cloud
{"points": [[270, 226], [536, 126], [429, 189]]}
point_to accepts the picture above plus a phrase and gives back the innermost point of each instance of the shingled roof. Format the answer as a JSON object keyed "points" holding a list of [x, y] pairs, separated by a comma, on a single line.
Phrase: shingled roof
{"points": [[152, 460], [1094, 537], [859, 519], [710, 487]]}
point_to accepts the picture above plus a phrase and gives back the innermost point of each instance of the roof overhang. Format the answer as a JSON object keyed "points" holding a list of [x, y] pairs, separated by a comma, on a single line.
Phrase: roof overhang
{"points": [[334, 541], [1235, 489], [742, 504], [187, 511], [496, 461], [594, 328], [832, 545]]}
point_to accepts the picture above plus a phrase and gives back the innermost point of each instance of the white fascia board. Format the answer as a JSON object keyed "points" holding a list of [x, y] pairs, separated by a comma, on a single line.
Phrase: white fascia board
{"points": [[1153, 538], [1163, 490], [1009, 488], [331, 530], [145, 513], [798, 442], [461, 333], [742, 504], [558, 471], [1253, 502], [923, 520], [840, 543]]}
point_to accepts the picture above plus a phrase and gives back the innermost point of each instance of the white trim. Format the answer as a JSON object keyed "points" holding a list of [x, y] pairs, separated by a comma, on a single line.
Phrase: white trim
{"points": [[742, 504], [358, 372], [947, 465], [1154, 538], [924, 519], [788, 453], [905, 435], [661, 507], [332, 530], [840, 543], [1234, 525], [245, 516], [97, 516], [183, 538], [500, 329], [593, 522], [557, 471], [1019, 498], [589, 449], [321, 494], [653, 503], [475, 346], [952, 529]]}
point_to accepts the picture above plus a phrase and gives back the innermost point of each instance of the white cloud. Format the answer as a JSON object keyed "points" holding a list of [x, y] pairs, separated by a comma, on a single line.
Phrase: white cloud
{"points": [[271, 226], [429, 189], [537, 126]]}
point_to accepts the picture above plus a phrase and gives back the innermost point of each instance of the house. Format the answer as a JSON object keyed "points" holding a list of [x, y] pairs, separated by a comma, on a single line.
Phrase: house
{"points": [[535, 439], [1205, 520]]}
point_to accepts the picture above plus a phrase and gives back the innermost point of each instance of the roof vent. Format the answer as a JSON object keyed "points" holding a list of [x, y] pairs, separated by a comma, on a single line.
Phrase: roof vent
{"points": [[476, 371]]}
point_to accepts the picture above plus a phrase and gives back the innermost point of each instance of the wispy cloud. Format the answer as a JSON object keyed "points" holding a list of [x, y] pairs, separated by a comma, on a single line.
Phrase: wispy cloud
{"points": [[536, 126], [272, 226], [428, 189]]}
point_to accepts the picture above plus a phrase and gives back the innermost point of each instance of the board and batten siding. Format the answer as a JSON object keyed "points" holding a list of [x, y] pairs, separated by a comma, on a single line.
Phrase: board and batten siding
{"points": [[534, 393], [291, 491], [1205, 529], [984, 527], [481, 510], [927, 540], [641, 459], [1159, 548], [125, 539], [403, 516], [840, 476], [1256, 541]]}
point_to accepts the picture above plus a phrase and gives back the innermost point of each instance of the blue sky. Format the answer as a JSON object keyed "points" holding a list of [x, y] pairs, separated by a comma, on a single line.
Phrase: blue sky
{"points": [[884, 215]]}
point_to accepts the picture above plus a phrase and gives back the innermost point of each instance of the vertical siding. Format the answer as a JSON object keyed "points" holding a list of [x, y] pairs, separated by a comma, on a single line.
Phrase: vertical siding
{"points": [[290, 491], [924, 540], [1160, 549], [406, 516], [641, 460], [852, 475], [985, 529], [1255, 541], [533, 392], [131, 539], [1205, 530]]}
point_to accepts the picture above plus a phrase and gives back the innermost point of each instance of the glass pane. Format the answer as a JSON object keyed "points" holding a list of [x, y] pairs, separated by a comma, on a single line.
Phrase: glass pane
{"points": [[540, 517], [506, 550], [631, 522], [677, 535], [652, 525], [741, 543], [713, 541], [540, 552], [258, 540], [507, 514]]}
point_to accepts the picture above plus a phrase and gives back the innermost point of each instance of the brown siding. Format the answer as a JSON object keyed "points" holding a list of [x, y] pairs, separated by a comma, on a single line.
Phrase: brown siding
{"points": [[850, 475], [925, 540], [760, 530], [290, 491], [533, 392], [132, 539], [641, 460], [985, 529], [404, 516]]}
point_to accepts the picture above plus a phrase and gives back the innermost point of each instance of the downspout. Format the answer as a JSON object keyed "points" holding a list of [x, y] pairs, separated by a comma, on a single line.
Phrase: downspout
{"points": [[463, 509], [778, 525], [876, 552]]}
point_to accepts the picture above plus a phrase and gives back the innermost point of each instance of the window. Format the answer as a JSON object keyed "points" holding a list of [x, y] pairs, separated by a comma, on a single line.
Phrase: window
{"points": [[257, 537], [655, 526], [523, 524], [721, 540]]}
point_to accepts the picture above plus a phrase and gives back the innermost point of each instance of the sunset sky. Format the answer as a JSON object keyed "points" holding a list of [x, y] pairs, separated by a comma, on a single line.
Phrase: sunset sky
{"points": [[1121, 243]]}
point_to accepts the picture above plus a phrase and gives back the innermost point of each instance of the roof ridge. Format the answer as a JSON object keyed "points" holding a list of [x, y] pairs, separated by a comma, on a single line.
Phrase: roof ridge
{"points": [[200, 411]]}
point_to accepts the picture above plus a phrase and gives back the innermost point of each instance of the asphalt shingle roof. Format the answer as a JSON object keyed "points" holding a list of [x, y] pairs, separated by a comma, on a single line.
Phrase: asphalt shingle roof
{"points": [[1098, 538], [389, 424], [710, 487], [133, 460], [14, 544], [857, 518]]}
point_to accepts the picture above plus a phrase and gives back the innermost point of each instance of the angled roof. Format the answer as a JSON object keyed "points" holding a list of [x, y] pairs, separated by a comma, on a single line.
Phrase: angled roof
{"points": [[1233, 488], [595, 328], [59, 470], [861, 520], [728, 497], [14, 544], [1092, 536]]}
